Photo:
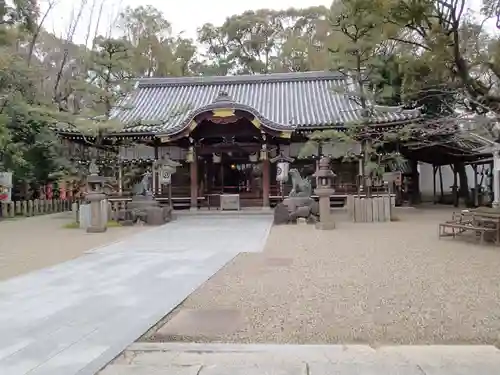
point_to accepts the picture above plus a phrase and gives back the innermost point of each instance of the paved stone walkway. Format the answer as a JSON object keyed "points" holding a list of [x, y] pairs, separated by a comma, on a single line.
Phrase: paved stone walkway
{"points": [[75, 317], [234, 359]]}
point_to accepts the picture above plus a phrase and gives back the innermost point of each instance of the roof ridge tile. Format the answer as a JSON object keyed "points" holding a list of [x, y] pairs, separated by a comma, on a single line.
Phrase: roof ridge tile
{"points": [[239, 79]]}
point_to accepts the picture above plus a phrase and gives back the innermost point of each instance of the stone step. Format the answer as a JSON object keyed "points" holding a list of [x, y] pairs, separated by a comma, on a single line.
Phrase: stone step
{"points": [[150, 370], [312, 368], [235, 359]]}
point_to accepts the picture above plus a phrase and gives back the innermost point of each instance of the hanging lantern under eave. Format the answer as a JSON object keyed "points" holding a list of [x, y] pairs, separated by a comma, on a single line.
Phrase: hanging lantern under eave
{"points": [[216, 159], [190, 155], [253, 158]]}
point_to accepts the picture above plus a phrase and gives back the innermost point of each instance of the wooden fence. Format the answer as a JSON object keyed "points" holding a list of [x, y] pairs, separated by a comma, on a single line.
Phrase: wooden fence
{"points": [[34, 207], [367, 210]]}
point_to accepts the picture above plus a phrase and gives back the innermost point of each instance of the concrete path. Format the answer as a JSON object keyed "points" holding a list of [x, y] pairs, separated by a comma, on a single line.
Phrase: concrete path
{"points": [[75, 317], [228, 359]]}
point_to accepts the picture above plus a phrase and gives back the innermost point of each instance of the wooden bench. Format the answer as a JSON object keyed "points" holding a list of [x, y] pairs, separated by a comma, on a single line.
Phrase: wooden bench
{"points": [[464, 217], [458, 228]]}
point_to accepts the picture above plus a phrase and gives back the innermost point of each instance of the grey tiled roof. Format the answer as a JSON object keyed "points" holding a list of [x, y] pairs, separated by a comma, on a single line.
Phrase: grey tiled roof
{"points": [[280, 101]]}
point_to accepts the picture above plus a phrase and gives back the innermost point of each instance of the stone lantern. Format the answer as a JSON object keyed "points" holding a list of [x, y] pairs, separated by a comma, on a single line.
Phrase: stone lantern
{"points": [[98, 210], [324, 190], [167, 168]]}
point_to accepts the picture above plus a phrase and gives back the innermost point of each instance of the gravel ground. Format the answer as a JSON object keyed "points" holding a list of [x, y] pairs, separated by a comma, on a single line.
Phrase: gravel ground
{"points": [[385, 283], [33, 243]]}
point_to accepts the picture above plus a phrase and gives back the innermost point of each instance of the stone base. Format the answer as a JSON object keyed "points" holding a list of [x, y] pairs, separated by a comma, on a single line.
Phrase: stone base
{"points": [[281, 214], [158, 215], [96, 229], [193, 209], [329, 225]]}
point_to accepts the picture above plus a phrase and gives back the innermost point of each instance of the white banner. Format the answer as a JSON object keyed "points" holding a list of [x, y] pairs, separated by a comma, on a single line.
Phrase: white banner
{"points": [[282, 172], [165, 177], [166, 174]]}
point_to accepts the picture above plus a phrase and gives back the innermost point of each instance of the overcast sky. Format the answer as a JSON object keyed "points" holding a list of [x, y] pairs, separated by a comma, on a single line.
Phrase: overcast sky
{"points": [[185, 15]]}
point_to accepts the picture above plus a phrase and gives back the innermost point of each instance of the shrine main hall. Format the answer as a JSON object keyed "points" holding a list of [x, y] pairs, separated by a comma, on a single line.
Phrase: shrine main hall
{"points": [[224, 132]]}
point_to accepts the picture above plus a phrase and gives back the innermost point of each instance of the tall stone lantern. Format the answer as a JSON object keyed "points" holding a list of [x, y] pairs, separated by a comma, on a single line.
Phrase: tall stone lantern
{"points": [[324, 190], [97, 200]]}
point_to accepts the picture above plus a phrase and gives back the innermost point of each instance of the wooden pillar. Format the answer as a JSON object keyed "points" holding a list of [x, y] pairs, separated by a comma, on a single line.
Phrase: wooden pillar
{"points": [[441, 197], [320, 151], [454, 188], [156, 176], [434, 171], [476, 186], [153, 178], [193, 169], [266, 182]]}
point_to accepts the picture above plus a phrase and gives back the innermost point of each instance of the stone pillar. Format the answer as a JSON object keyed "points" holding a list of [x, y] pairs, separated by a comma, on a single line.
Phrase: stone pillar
{"points": [[193, 169], [120, 178], [266, 183], [98, 222], [325, 216], [496, 178]]}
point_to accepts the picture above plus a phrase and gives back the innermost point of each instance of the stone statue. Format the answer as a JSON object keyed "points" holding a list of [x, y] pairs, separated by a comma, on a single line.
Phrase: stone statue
{"points": [[143, 207], [299, 204], [143, 187], [300, 186], [146, 182], [93, 168]]}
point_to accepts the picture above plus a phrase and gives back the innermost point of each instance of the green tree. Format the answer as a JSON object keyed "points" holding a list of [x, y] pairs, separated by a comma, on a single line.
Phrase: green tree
{"points": [[265, 41], [356, 34], [28, 145], [155, 52], [456, 47], [104, 91]]}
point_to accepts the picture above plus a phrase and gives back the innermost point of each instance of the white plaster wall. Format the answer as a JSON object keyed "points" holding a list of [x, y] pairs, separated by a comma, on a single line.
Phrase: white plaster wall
{"points": [[426, 179]]}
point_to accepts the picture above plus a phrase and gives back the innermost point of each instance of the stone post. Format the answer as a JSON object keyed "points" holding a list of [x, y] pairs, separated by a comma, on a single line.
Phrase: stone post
{"points": [[324, 190]]}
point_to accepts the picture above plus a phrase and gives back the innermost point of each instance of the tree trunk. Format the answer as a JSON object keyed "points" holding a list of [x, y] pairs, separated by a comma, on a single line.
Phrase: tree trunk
{"points": [[463, 190], [441, 198], [415, 179]]}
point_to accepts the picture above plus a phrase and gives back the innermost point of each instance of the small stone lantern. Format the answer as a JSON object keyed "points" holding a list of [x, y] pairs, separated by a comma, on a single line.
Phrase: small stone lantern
{"points": [[324, 190], [97, 199]]}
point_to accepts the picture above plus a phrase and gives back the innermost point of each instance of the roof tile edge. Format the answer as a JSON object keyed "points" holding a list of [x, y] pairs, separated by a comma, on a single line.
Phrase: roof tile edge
{"points": [[239, 79]]}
